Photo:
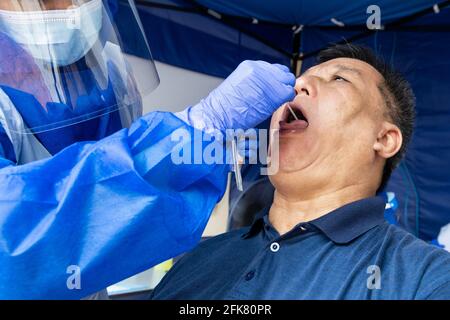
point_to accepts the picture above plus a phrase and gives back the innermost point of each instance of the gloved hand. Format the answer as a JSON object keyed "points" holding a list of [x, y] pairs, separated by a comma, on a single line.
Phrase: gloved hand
{"points": [[247, 97]]}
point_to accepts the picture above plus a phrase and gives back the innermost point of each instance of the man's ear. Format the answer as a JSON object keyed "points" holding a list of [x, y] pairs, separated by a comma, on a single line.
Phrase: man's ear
{"points": [[389, 140]]}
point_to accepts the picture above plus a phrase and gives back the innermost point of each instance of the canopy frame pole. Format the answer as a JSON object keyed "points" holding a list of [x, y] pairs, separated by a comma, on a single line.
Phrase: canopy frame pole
{"points": [[296, 59], [393, 26]]}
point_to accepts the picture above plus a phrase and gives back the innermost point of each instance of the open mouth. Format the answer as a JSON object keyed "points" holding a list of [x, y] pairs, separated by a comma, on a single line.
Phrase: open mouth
{"points": [[295, 114], [293, 119]]}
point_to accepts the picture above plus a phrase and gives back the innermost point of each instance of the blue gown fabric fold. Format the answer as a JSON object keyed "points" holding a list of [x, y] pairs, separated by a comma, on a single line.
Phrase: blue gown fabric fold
{"points": [[110, 209]]}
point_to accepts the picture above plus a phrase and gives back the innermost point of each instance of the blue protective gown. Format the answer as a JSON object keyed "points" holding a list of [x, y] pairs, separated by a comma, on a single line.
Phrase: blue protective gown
{"points": [[102, 200], [112, 208]]}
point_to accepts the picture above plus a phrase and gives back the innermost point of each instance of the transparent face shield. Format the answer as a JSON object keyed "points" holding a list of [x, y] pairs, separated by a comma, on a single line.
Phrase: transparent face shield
{"points": [[64, 62]]}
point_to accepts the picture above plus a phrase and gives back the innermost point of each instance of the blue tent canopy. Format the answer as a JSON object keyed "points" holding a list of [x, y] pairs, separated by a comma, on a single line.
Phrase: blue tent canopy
{"points": [[315, 13], [213, 37]]}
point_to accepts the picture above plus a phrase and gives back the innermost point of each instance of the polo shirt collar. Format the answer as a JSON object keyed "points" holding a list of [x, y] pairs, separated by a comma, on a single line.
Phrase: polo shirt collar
{"points": [[341, 225]]}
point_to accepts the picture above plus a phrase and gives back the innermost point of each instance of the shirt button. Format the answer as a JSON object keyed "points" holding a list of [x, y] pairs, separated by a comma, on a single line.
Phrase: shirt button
{"points": [[302, 228], [274, 247], [249, 276]]}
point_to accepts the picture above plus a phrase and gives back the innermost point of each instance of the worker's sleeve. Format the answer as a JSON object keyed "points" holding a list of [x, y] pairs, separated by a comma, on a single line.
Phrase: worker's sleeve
{"points": [[7, 155], [99, 212]]}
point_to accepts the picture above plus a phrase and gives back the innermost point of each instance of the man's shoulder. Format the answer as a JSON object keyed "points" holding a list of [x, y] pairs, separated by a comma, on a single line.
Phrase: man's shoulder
{"points": [[420, 261], [202, 264], [214, 247], [401, 241]]}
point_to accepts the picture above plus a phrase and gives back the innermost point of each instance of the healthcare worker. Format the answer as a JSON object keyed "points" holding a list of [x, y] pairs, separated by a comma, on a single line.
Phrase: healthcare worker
{"points": [[88, 192]]}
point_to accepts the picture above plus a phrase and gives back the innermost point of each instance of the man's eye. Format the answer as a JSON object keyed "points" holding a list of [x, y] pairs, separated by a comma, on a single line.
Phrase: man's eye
{"points": [[339, 78]]}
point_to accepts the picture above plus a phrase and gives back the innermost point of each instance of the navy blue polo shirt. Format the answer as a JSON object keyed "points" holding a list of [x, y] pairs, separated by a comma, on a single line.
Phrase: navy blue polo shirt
{"points": [[349, 253]]}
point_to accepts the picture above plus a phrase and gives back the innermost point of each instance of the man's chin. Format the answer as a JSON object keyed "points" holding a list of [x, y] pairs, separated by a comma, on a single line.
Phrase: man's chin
{"points": [[290, 165], [292, 155]]}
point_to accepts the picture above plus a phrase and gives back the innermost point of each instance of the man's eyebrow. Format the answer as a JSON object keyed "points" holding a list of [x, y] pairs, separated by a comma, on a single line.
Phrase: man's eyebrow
{"points": [[340, 67], [343, 68]]}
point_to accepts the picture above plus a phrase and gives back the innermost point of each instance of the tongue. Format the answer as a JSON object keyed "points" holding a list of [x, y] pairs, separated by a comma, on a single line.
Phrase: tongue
{"points": [[293, 125]]}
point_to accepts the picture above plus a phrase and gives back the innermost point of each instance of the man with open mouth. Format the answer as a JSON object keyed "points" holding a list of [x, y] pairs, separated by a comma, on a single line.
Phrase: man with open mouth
{"points": [[324, 236]]}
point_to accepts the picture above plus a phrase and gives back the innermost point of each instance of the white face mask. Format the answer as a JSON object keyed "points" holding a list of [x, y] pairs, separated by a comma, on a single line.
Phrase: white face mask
{"points": [[59, 36]]}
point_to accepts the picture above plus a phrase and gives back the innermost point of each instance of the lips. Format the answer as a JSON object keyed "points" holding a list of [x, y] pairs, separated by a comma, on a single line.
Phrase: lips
{"points": [[289, 122]]}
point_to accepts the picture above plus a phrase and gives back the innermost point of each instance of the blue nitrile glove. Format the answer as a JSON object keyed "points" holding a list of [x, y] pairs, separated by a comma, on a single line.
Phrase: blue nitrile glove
{"points": [[247, 97]]}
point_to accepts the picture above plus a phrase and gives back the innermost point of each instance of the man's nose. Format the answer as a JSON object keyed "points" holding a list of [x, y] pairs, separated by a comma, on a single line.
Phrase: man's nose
{"points": [[307, 86]]}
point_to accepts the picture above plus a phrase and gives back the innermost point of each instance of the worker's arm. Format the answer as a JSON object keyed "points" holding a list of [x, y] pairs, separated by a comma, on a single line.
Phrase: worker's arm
{"points": [[108, 210], [113, 208]]}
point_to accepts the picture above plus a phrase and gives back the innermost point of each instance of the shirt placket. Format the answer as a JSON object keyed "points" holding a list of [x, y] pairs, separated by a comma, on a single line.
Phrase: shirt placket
{"points": [[273, 242]]}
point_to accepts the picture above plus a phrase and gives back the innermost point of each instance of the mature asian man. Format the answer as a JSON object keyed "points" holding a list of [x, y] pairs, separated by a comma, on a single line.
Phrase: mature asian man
{"points": [[324, 236]]}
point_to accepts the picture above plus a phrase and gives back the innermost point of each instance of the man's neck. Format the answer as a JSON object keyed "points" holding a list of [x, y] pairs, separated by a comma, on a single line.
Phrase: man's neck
{"points": [[289, 210]]}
